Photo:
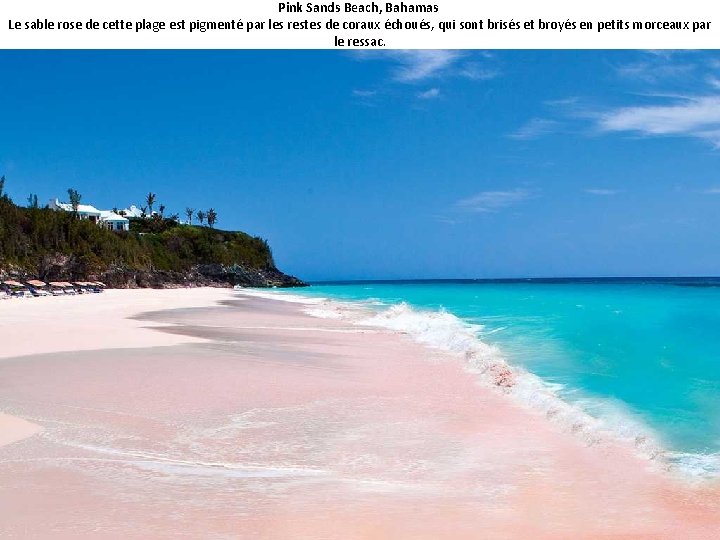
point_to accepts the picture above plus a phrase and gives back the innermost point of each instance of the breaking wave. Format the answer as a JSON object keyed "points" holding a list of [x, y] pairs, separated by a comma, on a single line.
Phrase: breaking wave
{"points": [[589, 418], [445, 331]]}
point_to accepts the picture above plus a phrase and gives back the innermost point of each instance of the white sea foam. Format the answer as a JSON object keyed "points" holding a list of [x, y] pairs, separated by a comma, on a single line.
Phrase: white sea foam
{"points": [[696, 465], [324, 313], [285, 297], [320, 307], [591, 419]]}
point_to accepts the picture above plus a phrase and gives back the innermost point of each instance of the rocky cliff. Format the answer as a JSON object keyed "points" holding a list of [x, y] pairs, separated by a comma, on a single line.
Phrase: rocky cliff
{"points": [[67, 268], [38, 243]]}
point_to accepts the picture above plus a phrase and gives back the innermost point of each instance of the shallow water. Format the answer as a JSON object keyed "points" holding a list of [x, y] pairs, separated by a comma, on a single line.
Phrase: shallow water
{"points": [[643, 355]]}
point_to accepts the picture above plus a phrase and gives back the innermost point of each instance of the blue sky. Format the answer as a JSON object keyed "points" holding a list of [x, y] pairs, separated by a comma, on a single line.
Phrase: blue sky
{"points": [[392, 164]]}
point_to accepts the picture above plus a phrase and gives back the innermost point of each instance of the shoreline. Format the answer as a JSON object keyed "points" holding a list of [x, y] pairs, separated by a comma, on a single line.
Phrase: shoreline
{"points": [[252, 416], [494, 373]]}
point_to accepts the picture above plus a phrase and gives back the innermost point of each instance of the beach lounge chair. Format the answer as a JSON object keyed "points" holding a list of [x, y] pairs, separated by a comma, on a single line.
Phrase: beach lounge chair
{"points": [[38, 292], [22, 293], [60, 288], [37, 287], [16, 289]]}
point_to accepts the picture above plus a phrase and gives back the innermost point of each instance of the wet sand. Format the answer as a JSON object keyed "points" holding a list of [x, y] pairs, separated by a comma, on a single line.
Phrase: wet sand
{"points": [[251, 419]]}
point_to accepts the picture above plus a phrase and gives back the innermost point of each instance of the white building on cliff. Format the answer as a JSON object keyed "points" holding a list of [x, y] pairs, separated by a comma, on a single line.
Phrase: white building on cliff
{"points": [[103, 218]]}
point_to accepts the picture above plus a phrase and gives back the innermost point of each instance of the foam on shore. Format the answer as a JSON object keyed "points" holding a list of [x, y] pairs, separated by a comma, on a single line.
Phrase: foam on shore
{"points": [[593, 420]]}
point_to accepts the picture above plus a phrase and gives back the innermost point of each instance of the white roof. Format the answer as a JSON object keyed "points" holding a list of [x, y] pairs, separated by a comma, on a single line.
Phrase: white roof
{"points": [[87, 209], [82, 208], [108, 215], [133, 211]]}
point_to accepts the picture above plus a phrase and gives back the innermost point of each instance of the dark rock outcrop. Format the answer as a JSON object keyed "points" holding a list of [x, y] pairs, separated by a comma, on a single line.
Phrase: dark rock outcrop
{"points": [[206, 275], [69, 268]]}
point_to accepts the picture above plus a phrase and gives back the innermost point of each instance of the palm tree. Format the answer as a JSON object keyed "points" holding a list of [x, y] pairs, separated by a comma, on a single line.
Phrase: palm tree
{"points": [[143, 212], [201, 216], [75, 199], [2, 184], [162, 210], [33, 201], [211, 217], [150, 199], [189, 213]]}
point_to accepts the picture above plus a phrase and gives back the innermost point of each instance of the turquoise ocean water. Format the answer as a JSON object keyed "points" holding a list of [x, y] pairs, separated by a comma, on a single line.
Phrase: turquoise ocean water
{"points": [[642, 349]]}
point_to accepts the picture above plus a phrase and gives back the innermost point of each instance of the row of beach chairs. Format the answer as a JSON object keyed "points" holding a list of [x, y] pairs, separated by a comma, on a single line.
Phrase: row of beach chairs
{"points": [[35, 288]]}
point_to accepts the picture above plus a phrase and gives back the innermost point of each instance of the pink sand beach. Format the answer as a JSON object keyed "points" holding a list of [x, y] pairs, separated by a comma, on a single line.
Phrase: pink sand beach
{"points": [[207, 413]]}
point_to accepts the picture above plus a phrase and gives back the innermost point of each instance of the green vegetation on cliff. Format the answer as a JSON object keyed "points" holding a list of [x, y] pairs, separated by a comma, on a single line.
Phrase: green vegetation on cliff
{"points": [[48, 244]]}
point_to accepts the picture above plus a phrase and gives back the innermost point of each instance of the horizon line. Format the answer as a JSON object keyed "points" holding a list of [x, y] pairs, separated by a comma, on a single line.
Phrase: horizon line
{"points": [[505, 279]]}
